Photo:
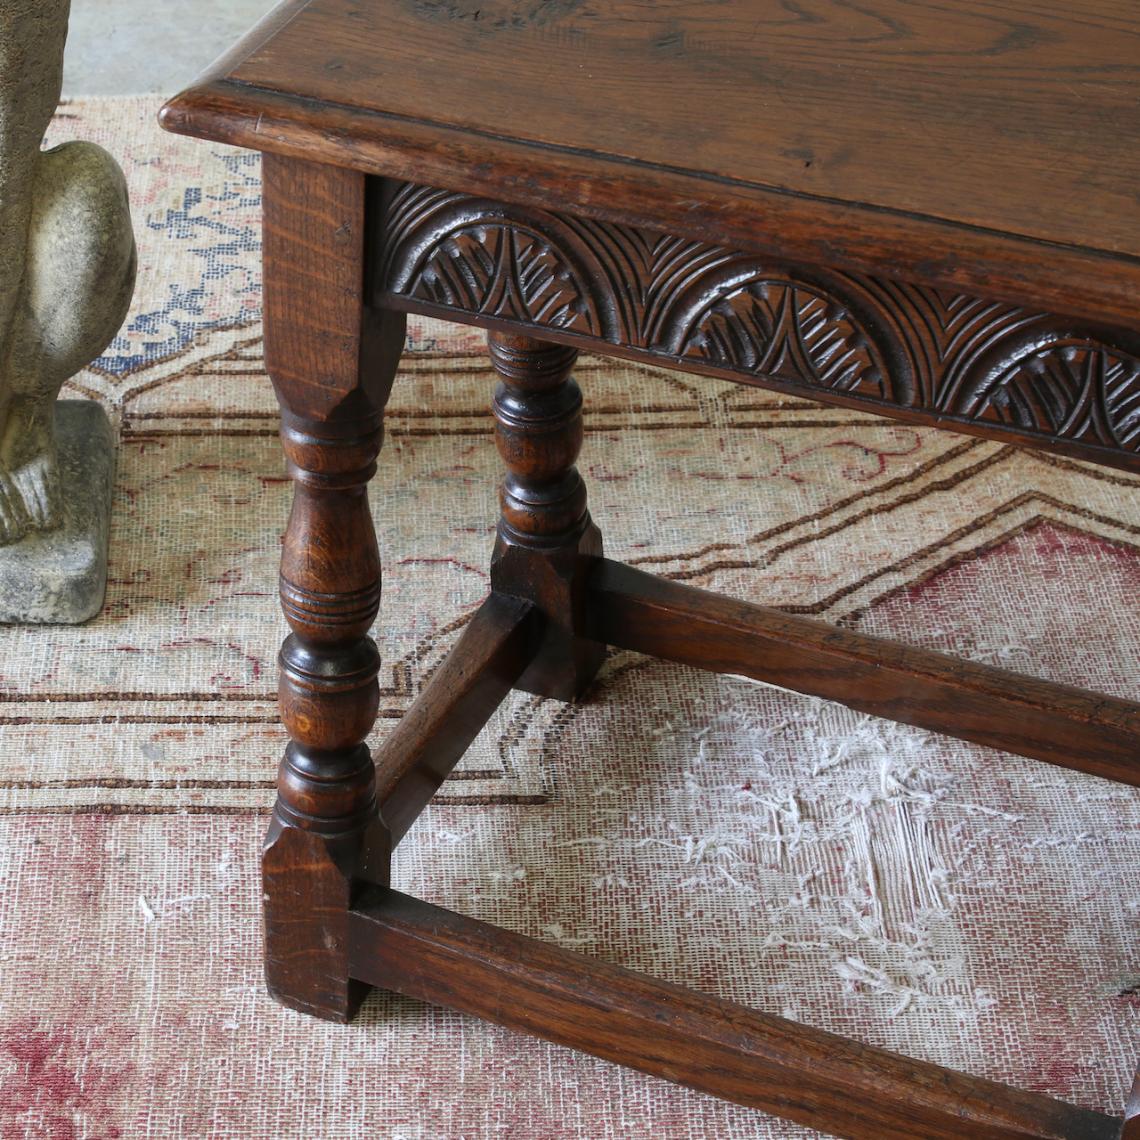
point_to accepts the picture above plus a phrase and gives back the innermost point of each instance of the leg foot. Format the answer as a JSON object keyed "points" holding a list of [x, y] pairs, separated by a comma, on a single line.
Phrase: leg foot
{"points": [[332, 361]]}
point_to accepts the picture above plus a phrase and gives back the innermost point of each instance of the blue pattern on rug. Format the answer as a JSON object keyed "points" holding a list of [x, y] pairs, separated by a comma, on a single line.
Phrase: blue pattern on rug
{"points": [[215, 229]]}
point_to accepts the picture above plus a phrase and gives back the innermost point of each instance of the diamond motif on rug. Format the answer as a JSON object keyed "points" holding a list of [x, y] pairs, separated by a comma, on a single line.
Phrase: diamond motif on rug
{"points": [[940, 899]]}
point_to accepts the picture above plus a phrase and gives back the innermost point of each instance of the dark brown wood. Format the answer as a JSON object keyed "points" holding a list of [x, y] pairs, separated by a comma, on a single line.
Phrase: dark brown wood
{"points": [[925, 209], [1000, 371], [992, 147], [332, 362], [803, 1074], [1057, 723], [1131, 1129], [546, 541], [431, 737]]}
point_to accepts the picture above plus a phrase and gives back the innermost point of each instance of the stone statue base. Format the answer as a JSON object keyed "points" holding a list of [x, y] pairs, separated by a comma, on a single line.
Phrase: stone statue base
{"points": [[60, 576]]}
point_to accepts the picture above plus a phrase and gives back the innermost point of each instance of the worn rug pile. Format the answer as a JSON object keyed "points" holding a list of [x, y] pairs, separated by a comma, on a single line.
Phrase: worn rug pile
{"points": [[942, 900]]}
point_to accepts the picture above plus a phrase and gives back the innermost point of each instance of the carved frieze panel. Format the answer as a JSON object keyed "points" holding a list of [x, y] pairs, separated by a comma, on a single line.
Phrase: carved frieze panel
{"points": [[824, 332]]}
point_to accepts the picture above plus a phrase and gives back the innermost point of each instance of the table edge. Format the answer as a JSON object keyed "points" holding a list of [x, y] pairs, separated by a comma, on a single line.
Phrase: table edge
{"points": [[1098, 285]]}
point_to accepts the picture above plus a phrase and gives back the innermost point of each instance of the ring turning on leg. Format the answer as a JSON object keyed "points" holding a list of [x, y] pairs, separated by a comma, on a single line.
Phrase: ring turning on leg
{"points": [[546, 540]]}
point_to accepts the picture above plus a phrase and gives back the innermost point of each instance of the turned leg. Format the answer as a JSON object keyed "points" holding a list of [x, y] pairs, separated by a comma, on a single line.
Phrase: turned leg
{"points": [[332, 363], [546, 540]]}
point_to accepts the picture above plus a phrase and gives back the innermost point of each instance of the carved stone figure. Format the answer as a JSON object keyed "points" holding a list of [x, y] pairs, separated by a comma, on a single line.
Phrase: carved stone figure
{"points": [[67, 265]]}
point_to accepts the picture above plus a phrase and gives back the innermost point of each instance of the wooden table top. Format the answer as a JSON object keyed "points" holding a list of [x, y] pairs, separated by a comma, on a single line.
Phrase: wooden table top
{"points": [[992, 145]]}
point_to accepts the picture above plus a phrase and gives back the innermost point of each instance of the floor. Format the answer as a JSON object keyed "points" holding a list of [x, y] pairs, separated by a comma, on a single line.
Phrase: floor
{"points": [[794, 856], [135, 47], [855, 895]]}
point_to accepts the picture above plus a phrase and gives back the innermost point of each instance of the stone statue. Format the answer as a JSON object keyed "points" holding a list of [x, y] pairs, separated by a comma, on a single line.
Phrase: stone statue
{"points": [[67, 265]]}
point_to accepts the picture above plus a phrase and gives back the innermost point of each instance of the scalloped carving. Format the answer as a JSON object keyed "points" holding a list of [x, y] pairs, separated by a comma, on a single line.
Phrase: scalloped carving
{"points": [[771, 327], [1075, 388], [944, 355]]}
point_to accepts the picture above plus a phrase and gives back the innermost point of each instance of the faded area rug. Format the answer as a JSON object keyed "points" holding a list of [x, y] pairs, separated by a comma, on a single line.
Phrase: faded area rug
{"points": [[943, 900]]}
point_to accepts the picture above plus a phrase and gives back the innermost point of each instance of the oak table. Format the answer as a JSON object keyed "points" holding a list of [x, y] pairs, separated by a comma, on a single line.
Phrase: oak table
{"points": [[925, 210]]}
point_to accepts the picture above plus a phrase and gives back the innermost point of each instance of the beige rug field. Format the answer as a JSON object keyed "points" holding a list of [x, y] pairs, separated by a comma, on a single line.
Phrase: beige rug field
{"points": [[943, 900]]}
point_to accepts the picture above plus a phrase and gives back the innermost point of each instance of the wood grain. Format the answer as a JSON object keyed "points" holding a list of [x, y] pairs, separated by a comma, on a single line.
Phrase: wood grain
{"points": [[999, 371], [947, 158], [545, 540], [992, 146], [451, 710], [332, 361], [1060, 724], [803, 1074]]}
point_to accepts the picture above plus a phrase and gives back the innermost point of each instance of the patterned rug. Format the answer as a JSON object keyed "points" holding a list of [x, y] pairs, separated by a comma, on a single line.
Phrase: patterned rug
{"points": [[935, 898]]}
